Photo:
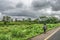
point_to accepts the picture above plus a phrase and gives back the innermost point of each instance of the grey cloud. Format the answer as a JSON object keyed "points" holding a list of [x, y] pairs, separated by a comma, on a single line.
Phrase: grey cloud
{"points": [[56, 13], [40, 4], [20, 12], [8, 8], [25, 13], [55, 5], [19, 5], [8, 5], [5, 5]]}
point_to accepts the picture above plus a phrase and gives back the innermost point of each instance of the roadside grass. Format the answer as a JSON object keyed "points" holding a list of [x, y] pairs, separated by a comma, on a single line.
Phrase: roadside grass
{"points": [[23, 32]]}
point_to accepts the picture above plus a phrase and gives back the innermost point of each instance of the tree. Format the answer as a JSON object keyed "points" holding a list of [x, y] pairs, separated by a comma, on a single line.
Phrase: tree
{"points": [[11, 20], [3, 18], [16, 20], [43, 19], [6, 19], [53, 19], [23, 19], [29, 19], [36, 21]]}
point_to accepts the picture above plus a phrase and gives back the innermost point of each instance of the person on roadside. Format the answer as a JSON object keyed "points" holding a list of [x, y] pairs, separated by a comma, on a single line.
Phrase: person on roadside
{"points": [[44, 27]]}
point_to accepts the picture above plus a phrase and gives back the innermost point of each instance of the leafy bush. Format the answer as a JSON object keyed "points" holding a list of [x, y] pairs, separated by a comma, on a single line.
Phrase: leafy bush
{"points": [[4, 37], [23, 32], [16, 33]]}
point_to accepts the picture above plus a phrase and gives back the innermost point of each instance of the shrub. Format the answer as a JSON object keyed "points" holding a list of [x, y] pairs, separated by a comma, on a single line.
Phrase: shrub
{"points": [[4, 37]]}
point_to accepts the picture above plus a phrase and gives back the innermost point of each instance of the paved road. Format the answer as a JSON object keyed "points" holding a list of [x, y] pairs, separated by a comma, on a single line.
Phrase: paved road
{"points": [[56, 36]]}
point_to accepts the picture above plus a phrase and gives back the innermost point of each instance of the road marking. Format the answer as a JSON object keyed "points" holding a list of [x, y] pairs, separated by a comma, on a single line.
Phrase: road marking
{"points": [[51, 34]]}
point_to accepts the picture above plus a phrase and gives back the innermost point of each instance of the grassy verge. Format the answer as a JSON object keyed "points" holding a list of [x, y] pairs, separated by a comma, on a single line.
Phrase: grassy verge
{"points": [[22, 32]]}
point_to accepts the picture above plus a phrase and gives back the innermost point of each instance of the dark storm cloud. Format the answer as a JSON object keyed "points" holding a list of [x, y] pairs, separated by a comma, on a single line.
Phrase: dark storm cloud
{"points": [[5, 5], [25, 12], [40, 4], [9, 8], [55, 5], [20, 12], [19, 5]]}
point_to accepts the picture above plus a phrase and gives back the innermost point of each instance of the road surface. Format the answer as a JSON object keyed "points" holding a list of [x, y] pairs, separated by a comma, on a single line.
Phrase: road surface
{"points": [[56, 36]]}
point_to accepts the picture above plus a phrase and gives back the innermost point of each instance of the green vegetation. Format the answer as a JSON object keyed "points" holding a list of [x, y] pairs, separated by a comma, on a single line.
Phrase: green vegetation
{"points": [[40, 20], [25, 29], [22, 32]]}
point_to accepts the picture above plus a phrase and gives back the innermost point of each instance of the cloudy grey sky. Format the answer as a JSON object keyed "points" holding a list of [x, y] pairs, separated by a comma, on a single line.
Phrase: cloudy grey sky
{"points": [[29, 8]]}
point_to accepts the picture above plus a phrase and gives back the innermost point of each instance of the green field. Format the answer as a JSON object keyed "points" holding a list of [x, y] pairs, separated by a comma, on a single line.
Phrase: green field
{"points": [[22, 32]]}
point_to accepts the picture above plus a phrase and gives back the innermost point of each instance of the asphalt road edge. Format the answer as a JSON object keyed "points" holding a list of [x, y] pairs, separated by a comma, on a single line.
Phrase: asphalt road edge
{"points": [[52, 34]]}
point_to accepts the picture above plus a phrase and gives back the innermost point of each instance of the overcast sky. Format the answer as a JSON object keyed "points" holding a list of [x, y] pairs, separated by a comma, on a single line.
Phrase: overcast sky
{"points": [[29, 8]]}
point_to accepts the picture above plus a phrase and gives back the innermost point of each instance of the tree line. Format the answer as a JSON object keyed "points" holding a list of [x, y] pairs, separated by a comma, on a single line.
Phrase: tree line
{"points": [[40, 20]]}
